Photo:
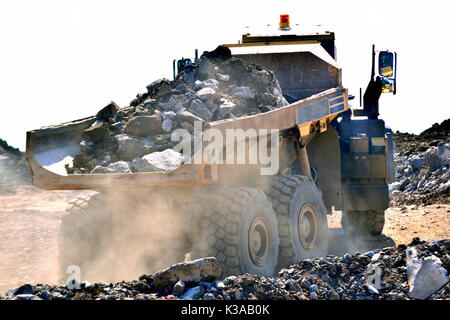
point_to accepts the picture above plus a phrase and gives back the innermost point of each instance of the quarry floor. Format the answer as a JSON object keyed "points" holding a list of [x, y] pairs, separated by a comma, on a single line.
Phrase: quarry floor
{"points": [[30, 218]]}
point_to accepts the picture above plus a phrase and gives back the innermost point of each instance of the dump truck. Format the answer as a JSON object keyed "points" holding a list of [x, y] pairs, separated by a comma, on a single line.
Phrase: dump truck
{"points": [[331, 157]]}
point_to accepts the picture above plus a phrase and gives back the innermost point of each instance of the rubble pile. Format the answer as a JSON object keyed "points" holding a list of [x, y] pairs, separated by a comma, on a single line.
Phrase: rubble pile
{"points": [[14, 170], [137, 138], [417, 271], [422, 166]]}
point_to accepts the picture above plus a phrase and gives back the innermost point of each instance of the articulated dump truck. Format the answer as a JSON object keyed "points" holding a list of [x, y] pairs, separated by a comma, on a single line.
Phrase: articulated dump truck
{"points": [[331, 157]]}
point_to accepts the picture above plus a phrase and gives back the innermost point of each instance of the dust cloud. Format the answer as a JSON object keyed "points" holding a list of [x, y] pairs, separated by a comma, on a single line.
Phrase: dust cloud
{"points": [[135, 232]]}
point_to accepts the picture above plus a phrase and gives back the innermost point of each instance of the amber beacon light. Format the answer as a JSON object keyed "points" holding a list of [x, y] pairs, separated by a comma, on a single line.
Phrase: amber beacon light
{"points": [[284, 21]]}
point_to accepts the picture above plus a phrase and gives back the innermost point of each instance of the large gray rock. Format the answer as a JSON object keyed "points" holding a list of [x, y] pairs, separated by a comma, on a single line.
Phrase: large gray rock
{"points": [[200, 109], [206, 94], [164, 161], [416, 162], [443, 152], [97, 132], [24, 289], [193, 293], [425, 276], [119, 167], [211, 83], [131, 147], [269, 99], [179, 107], [243, 92], [198, 270], [167, 125], [160, 87], [144, 125], [262, 76], [107, 112], [225, 108], [186, 116], [432, 160]]}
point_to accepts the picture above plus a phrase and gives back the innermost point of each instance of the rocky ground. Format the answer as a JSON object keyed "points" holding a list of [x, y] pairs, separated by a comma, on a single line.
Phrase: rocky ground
{"points": [[422, 166], [417, 271]]}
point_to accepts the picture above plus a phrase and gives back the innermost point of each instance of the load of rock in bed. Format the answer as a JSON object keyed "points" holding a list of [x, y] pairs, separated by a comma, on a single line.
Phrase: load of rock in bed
{"points": [[14, 170], [137, 138], [417, 271], [422, 166]]}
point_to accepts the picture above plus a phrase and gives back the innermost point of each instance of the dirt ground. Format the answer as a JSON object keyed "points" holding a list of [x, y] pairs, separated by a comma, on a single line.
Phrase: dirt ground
{"points": [[30, 218], [404, 223], [29, 223]]}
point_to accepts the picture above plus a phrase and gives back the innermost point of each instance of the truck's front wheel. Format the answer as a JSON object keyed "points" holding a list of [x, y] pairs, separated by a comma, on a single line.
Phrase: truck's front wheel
{"points": [[239, 228], [302, 219]]}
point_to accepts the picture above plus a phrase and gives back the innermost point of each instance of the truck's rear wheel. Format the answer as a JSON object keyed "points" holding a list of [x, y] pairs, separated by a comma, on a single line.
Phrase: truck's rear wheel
{"points": [[84, 237], [239, 228], [302, 219], [363, 223]]}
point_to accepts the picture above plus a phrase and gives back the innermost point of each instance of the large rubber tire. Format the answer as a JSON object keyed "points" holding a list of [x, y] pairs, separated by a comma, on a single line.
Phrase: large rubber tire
{"points": [[85, 235], [363, 223], [296, 197], [229, 223]]}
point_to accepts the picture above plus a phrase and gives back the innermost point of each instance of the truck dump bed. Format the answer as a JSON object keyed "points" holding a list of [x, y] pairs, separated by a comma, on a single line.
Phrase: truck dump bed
{"points": [[49, 149]]}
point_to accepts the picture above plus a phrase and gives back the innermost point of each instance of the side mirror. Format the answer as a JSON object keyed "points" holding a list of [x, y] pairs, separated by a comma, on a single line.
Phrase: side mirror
{"points": [[386, 63], [387, 85], [387, 70]]}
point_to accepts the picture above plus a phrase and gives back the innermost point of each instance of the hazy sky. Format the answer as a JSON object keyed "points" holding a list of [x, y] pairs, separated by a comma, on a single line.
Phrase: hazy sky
{"points": [[64, 60]]}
